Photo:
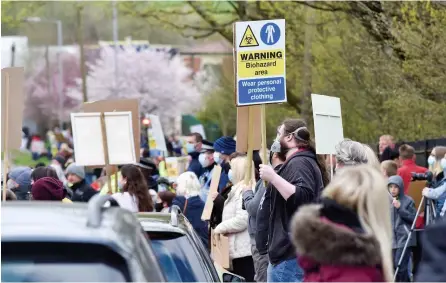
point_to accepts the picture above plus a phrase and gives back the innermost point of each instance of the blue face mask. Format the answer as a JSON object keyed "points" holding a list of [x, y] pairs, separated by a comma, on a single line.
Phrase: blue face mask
{"points": [[443, 163], [431, 160], [190, 147], [230, 176], [217, 158]]}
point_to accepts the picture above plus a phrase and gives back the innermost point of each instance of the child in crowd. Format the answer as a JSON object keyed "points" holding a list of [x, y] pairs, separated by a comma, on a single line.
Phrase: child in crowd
{"points": [[389, 168], [403, 213]]}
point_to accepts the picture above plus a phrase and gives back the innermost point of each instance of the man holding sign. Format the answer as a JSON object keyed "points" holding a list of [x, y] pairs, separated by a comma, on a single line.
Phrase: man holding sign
{"points": [[300, 180]]}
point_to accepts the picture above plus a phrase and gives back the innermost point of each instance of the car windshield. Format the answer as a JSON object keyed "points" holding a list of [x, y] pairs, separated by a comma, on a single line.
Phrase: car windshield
{"points": [[178, 259], [61, 262]]}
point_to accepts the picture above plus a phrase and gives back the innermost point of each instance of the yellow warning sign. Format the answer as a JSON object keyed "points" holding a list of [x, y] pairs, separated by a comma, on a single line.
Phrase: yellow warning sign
{"points": [[261, 63], [248, 39]]}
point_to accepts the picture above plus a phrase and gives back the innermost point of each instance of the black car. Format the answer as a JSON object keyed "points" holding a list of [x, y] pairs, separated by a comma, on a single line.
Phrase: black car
{"points": [[57, 242], [180, 251]]}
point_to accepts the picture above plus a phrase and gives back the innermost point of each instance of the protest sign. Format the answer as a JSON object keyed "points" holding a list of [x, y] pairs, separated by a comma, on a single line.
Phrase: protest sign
{"points": [[215, 180], [220, 249], [156, 134]]}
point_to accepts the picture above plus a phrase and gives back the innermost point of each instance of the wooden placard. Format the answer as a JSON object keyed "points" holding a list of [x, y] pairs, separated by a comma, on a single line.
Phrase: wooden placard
{"points": [[243, 126], [12, 107], [207, 211]]}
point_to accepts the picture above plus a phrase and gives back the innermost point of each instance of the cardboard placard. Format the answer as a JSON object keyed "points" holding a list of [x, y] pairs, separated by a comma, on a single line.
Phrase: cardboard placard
{"points": [[12, 106], [415, 192], [207, 211], [89, 143], [327, 116], [156, 134], [220, 249], [175, 166], [243, 125], [119, 105]]}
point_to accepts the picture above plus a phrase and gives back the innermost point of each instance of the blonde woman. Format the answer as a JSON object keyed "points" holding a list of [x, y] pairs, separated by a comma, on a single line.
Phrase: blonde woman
{"points": [[437, 165], [189, 201], [235, 222], [348, 237]]}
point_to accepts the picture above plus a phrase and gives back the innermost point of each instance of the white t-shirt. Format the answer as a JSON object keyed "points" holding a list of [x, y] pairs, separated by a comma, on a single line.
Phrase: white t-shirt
{"points": [[126, 201]]}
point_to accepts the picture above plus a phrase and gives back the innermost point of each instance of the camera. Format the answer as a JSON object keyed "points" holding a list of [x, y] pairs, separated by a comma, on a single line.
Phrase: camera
{"points": [[428, 177]]}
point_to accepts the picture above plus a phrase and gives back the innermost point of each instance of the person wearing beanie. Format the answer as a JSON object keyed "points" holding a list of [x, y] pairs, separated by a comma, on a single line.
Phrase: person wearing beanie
{"points": [[224, 147], [19, 182], [82, 192], [49, 189]]}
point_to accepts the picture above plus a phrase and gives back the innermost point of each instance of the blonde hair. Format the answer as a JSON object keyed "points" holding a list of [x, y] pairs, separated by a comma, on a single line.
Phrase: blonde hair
{"points": [[390, 167], [440, 152], [363, 189], [388, 138], [238, 167], [188, 185]]}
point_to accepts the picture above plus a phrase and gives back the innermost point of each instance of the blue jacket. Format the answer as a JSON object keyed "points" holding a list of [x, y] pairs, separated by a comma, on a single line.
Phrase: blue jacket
{"points": [[403, 217], [206, 179], [441, 200], [194, 210], [194, 165]]}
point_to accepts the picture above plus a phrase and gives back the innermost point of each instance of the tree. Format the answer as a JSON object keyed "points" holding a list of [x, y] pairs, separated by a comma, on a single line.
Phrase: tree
{"points": [[42, 88], [385, 60], [161, 84]]}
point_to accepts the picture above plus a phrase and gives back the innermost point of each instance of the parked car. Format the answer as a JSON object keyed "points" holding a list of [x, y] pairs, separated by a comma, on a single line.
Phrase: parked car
{"points": [[180, 251], [57, 242]]}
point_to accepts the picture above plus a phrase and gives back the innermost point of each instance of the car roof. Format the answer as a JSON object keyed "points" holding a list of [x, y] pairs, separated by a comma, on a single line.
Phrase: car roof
{"points": [[41, 221], [161, 222]]}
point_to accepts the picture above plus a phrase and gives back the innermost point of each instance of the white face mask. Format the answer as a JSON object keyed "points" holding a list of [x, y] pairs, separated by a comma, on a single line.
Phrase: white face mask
{"points": [[217, 158], [231, 176], [431, 160], [204, 161]]}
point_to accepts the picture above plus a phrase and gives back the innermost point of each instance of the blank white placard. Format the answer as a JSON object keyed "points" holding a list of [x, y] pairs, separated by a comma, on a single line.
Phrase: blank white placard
{"points": [[327, 116], [120, 143], [87, 139]]}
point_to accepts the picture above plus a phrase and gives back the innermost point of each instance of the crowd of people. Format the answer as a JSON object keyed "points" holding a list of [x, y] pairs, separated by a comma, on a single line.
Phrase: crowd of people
{"points": [[292, 221]]}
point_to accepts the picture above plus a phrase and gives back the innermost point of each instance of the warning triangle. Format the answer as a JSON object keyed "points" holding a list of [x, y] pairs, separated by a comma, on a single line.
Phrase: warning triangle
{"points": [[248, 39]]}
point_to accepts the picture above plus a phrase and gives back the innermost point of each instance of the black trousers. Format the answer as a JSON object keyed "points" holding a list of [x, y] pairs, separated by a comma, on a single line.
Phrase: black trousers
{"points": [[244, 267], [403, 271]]}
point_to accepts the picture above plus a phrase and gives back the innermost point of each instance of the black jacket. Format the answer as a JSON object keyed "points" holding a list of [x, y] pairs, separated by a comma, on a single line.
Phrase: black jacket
{"points": [[217, 209], [82, 192], [432, 266], [302, 171]]}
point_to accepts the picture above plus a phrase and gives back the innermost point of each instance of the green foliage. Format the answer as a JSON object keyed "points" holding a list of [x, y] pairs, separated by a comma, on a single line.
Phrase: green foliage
{"points": [[385, 60]]}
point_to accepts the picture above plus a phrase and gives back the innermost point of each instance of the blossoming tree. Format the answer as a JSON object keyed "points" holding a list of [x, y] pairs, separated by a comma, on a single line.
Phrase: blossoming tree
{"points": [[160, 82]]}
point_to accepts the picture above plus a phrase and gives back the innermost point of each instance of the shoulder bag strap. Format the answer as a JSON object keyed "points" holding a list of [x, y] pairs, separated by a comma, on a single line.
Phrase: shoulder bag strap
{"points": [[185, 207]]}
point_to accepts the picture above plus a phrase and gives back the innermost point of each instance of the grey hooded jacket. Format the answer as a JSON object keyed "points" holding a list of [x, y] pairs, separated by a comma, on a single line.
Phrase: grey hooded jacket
{"points": [[251, 201], [403, 217]]}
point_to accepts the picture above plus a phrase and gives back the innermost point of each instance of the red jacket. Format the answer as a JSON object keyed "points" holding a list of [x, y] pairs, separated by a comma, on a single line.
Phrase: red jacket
{"points": [[331, 252], [408, 167]]}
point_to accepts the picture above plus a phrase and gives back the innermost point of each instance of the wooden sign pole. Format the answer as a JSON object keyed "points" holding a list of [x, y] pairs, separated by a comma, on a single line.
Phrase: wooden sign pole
{"points": [[6, 138], [263, 126], [107, 162], [248, 175]]}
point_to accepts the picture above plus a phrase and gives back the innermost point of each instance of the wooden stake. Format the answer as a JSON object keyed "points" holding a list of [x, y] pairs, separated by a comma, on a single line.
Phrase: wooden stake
{"points": [[104, 143], [263, 126], [6, 138], [248, 175]]}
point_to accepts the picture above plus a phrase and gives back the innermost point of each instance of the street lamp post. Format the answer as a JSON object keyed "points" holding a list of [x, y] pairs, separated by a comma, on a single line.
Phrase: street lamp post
{"points": [[59, 61]]}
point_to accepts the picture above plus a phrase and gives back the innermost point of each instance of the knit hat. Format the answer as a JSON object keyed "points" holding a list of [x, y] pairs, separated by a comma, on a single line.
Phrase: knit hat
{"points": [[48, 188], [21, 175], [225, 145], [76, 170], [60, 159]]}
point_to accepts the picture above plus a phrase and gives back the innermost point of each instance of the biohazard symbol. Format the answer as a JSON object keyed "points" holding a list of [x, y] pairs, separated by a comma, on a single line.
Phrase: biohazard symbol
{"points": [[248, 39]]}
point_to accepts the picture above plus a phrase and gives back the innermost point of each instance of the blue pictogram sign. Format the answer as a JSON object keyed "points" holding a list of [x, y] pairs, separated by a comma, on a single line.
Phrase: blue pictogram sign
{"points": [[270, 33]]}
